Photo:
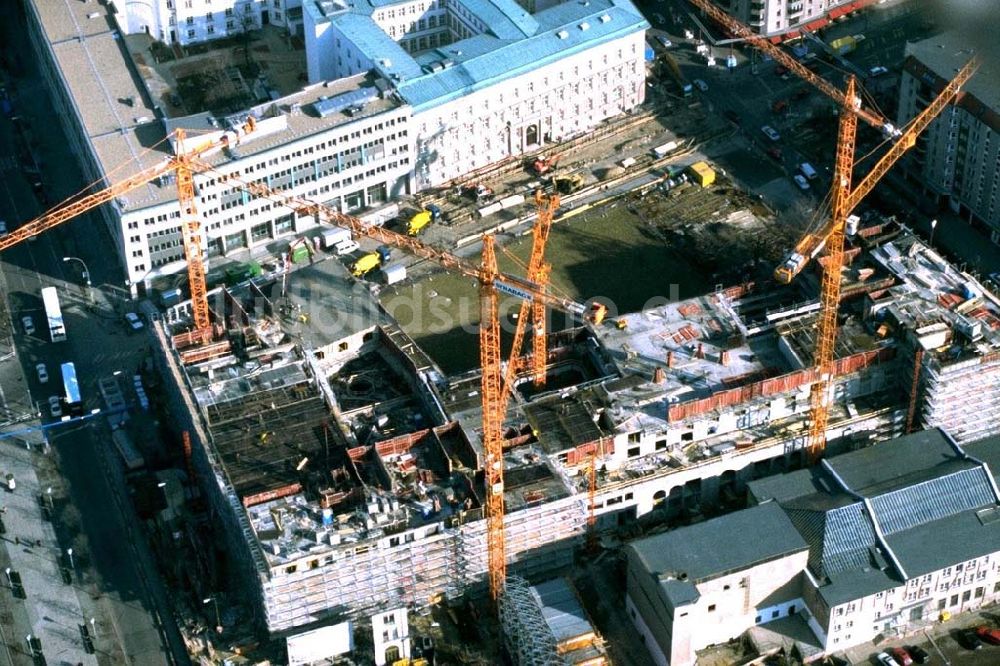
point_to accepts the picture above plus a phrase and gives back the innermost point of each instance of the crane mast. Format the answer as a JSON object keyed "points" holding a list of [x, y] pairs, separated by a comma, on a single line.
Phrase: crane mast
{"points": [[819, 392]]}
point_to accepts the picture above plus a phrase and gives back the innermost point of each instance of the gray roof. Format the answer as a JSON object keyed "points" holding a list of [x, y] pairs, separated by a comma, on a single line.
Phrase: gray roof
{"points": [[934, 506], [945, 53], [561, 609], [728, 543], [871, 471], [947, 541]]}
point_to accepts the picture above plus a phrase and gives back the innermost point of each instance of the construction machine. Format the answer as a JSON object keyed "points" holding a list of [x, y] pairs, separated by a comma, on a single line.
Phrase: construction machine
{"points": [[566, 183], [542, 165]]}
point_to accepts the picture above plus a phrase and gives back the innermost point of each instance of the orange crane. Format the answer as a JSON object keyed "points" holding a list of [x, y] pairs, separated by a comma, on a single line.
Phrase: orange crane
{"points": [[491, 283], [738, 29], [494, 390], [844, 199], [183, 165], [538, 273]]}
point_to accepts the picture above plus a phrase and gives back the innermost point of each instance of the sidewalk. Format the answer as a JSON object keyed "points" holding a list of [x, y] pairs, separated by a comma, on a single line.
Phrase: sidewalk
{"points": [[51, 612]]}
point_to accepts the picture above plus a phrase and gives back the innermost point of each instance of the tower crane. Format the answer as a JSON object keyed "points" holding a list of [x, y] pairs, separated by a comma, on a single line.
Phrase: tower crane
{"points": [[494, 390], [182, 164], [538, 273], [487, 275], [844, 200]]}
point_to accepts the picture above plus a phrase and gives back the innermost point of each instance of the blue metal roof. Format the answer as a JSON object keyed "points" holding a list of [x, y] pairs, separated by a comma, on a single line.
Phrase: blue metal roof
{"points": [[498, 60], [506, 19], [514, 43]]}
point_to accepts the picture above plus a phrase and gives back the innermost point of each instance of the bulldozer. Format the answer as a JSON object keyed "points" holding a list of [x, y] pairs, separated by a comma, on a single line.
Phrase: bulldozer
{"points": [[567, 183]]}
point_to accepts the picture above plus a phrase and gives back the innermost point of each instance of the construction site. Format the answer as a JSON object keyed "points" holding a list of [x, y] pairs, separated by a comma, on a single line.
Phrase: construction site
{"points": [[365, 446]]}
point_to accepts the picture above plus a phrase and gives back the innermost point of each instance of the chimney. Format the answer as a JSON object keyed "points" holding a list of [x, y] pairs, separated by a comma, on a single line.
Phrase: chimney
{"points": [[701, 351], [670, 359], [724, 357], [659, 376]]}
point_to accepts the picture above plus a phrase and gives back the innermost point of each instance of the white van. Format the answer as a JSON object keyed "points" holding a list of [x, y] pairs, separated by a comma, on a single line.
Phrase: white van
{"points": [[807, 170], [346, 247]]}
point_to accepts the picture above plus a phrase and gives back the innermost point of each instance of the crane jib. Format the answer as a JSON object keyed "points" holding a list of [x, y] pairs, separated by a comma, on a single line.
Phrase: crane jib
{"points": [[511, 290]]}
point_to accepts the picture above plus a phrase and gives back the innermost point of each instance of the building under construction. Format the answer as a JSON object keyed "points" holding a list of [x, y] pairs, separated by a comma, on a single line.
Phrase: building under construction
{"points": [[347, 469]]}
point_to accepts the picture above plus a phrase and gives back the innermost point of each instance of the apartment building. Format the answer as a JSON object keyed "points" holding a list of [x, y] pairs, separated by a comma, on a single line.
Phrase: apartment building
{"points": [[896, 535], [784, 19], [957, 159]]}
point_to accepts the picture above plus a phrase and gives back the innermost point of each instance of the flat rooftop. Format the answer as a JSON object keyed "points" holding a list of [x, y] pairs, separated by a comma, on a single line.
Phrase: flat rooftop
{"points": [[945, 54], [941, 304], [125, 90], [700, 343]]}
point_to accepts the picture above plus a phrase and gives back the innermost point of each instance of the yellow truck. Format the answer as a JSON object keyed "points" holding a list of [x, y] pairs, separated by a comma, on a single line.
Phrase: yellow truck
{"points": [[366, 264], [422, 219]]}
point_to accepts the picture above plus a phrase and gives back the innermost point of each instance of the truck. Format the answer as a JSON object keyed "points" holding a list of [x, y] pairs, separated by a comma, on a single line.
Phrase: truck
{"points": [[662, 151], [845, 45], [422, 219], [332, 237], [369, 262]]}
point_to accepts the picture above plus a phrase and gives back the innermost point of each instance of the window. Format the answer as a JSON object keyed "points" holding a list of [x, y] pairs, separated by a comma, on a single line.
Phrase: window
{"points": [[711, 608], [661, 445], [633, 451], [634, 437], [775, 614], [966, 595]]}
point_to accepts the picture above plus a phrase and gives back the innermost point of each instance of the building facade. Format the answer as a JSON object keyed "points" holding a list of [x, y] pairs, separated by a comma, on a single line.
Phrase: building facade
{"points": [[783, 19], [402, 97], [957, 159], [898, 536]]}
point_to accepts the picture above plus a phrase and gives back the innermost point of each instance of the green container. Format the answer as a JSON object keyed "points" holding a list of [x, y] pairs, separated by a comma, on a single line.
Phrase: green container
{"points": [[300, 254]]}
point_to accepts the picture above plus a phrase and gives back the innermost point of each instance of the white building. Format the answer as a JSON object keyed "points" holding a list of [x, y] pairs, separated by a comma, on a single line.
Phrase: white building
{"points": [[486, 80], [395, 105], [957, 160], [187, 22], [897, 535], [783, 19]]}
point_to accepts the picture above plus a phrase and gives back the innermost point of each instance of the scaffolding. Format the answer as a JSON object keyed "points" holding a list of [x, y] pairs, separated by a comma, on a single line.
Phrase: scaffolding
{"points": [[528, 639]]}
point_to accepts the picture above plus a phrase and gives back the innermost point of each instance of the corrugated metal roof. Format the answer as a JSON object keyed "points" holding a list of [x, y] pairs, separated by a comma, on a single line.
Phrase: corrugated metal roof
{"points": [[932, 500]]}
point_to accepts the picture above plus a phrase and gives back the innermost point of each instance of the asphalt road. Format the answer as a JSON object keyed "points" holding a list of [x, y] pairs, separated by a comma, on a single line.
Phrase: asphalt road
{"points": [[129, 591]]}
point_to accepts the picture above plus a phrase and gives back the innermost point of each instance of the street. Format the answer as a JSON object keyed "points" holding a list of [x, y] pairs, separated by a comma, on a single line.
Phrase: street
{"points": [[114, 580]]}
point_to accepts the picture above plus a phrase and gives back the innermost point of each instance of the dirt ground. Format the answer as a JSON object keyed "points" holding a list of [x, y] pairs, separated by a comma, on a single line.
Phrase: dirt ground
{"points": [[654, 246]]}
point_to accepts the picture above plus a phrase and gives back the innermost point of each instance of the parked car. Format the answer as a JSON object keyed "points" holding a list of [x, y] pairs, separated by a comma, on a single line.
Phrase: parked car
{"points": [[55, 407], [43, 373], [665, 42], [968, 639], [902, 656], [884, 659], [3, 228], [770, 133], [133, 321], [877, 70], [29, 325], [801, 181], [920, 655], [701, 85], [988, 634]]}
